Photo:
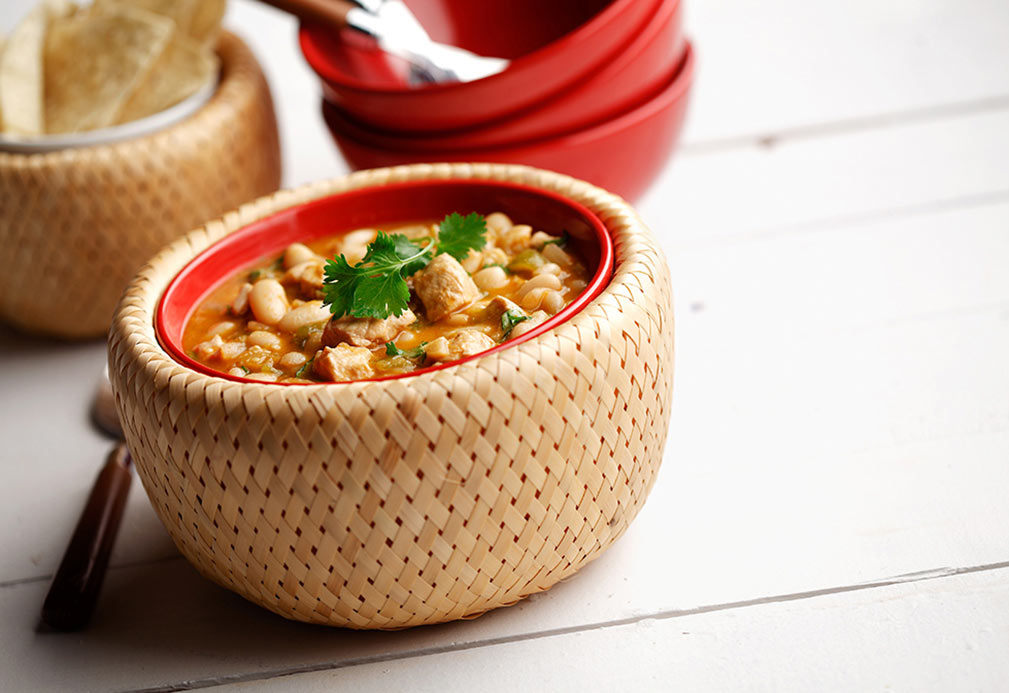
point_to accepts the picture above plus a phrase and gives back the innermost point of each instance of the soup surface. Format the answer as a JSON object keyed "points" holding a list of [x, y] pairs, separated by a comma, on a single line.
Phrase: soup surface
{"points": [[290, 319]]}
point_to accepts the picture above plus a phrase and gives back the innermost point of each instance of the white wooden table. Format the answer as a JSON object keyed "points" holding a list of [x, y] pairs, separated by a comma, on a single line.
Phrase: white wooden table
{"points": [[833, 512]]}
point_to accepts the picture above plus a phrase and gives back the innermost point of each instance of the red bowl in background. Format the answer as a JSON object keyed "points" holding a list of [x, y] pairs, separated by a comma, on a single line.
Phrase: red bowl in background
{"points": [[551, 45], [623, 154], [644, 65], [392, 203]]}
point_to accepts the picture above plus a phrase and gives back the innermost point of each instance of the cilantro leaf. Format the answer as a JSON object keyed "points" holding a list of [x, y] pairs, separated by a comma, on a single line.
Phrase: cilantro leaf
{"points": [[339, 285], [417, 353], [509, 319], [374, 287], [380, 295], [458, 235]]}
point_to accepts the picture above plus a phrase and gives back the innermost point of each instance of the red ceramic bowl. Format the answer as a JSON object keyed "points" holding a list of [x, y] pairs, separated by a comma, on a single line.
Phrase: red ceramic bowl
{"points": [[388, 204], [623, 154], [644, 66], [551, 45]]}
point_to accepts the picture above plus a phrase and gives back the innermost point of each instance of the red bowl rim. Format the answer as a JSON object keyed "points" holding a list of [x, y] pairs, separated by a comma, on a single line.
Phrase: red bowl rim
{"points": [[672, 91], [318, 61], [601, 277]]}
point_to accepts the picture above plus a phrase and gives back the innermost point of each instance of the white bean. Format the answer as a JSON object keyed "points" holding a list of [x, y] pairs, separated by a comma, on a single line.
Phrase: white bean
{"points": [[241, 302], [308, 314], [527, 325], [222, 328], [471, 263], [268, 301], [534, 298], [553, 302], [549, 268], [292, 361], [540, 281], [263, 377], [498, 223], [553, 253], [267, 340], [236, 371], [517, 237], [355, 244], [541, 237], [298, 253], [490, 278]]}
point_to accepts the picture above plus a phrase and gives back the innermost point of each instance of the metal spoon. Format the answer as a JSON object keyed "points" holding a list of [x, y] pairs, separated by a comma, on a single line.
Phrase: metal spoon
{"points": [[393, 25], [74, 590]]}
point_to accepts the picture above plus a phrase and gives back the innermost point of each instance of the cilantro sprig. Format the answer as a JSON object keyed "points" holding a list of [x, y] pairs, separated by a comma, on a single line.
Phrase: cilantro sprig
{"points": [[509, 319], [415, 354], [376, 286]]}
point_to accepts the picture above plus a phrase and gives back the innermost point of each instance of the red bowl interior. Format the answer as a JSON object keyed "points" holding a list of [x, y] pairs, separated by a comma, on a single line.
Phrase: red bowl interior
{"points": [[623, 154], [388, 204], [551, 45]]}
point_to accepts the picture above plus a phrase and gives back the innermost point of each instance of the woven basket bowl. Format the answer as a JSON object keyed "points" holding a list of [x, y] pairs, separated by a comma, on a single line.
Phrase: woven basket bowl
{"points": [[76, 224], [417, 500]]}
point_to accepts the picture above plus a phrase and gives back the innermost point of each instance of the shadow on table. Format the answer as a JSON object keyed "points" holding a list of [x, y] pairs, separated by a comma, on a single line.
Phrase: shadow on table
{"points": [[14, 342], [167, 626]]}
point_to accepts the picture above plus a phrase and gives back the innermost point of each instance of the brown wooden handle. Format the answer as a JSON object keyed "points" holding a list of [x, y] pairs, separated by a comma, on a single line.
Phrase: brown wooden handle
{"points": [[74, 590], [332, 12]]}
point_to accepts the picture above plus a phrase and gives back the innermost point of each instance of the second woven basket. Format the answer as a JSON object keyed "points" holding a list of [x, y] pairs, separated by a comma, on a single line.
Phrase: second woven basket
{"points": [[76, 224]]}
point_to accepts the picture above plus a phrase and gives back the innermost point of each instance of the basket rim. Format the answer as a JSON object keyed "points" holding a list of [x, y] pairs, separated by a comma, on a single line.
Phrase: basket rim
{"points": [[135, 317], [225, 83], [596, 285]]}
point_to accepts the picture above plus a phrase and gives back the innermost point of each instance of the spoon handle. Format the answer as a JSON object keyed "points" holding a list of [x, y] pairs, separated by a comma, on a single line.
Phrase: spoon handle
{"points": [[332, 12], [74, 589]]}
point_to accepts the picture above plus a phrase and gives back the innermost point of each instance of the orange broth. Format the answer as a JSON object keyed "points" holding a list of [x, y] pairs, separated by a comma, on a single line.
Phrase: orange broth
{"points": [[242, 337]]}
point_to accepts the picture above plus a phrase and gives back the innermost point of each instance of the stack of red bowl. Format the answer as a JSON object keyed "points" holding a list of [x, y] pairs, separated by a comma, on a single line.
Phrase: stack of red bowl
{"points": [[595, 88]]}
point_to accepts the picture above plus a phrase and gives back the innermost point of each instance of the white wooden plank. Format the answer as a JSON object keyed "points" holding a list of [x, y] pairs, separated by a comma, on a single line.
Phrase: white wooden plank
{"points": [[800, 184], [52, 456], [947, 634], [771, 67], [769, 489]]}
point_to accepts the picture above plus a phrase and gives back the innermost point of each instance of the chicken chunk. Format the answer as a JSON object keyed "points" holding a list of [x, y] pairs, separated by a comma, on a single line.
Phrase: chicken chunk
{"points": [[309, 275], [499, 305], [444, 287], [366, 332], [460, 345], [342, 363]]}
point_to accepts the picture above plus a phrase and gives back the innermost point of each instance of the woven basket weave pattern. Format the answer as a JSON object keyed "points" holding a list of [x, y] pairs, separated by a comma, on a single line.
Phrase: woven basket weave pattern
{"points": [[75, 225], [411, 501]]}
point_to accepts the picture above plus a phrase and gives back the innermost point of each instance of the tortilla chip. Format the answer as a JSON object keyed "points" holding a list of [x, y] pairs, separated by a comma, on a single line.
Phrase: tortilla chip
{"points": [[94, 62], [199, 19], [179, 11], [182, 69], [206, 21], [21, 76]]}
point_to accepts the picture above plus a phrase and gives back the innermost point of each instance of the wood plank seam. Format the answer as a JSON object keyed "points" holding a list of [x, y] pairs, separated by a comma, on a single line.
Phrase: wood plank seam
{"points": [[902, 579], [845, 126]]}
